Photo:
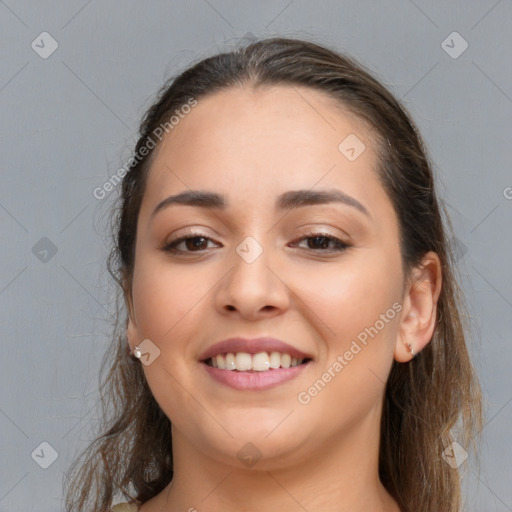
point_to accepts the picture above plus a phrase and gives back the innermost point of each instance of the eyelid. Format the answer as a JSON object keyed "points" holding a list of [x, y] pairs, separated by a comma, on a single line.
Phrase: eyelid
{"points": [[185, 234], [325, 229]]}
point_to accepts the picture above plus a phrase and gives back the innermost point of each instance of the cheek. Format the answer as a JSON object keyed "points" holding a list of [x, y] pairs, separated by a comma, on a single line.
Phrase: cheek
{"points": [[163, 297], [359, 306], [353, 295], [359, 324], [164, 300]]}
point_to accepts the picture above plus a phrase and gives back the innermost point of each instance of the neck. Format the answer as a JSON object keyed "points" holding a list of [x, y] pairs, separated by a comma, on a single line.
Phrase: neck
{"points": [[342, 476]]}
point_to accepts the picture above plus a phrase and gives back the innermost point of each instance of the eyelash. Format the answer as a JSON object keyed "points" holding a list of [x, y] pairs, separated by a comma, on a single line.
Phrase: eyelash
{"points": [[339, 245]]}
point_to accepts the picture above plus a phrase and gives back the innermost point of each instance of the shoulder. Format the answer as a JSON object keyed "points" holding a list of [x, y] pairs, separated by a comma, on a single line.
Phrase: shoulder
{"points": [[125, 507]]}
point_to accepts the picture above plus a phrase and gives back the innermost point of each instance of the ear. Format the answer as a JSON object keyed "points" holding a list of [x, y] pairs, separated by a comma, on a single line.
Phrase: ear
{"points": [[132, 334], [419, 312]]}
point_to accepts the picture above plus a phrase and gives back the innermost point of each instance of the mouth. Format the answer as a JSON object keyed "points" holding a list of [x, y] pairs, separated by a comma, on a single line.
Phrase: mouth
{"points": [[253, 364], [259, 362]]}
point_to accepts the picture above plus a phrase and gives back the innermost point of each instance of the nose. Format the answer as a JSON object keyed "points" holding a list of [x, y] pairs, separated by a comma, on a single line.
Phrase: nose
{"points": [[253, 289]]}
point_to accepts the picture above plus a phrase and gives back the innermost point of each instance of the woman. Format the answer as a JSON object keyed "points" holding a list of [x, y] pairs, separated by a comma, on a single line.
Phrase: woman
{"points": [[294, 337]]}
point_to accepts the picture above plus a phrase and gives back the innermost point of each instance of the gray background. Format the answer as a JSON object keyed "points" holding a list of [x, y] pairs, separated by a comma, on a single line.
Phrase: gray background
{"points": [[68, 122]]}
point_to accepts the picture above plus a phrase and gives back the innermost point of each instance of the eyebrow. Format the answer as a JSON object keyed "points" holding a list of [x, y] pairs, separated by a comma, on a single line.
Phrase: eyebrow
{"points": [[287, 200]]}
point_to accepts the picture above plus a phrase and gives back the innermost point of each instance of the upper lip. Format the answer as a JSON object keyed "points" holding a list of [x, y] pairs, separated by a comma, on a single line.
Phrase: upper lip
{"points": [[252, 346]]}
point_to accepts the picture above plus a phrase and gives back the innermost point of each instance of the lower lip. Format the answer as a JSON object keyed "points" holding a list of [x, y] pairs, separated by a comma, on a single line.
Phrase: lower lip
{"points": [[252, 380]]}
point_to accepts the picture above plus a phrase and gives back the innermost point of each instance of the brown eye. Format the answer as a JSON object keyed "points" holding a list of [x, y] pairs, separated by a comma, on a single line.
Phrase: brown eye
{"points": [[189, 243], [197, 242], [319, 242]]}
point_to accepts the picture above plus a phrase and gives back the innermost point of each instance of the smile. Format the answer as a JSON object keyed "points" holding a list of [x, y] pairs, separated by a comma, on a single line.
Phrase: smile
{"points": [[260, 362], [241, 369]]}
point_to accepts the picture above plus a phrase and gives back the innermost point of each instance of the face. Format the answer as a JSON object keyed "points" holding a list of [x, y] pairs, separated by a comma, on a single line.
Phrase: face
{"points": [[320, 271]]}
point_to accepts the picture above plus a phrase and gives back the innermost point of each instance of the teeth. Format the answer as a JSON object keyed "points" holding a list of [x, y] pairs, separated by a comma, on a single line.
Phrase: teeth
{"points": [[286, 360], [230, 361], [243, 361], [275, 360], [261, 362]]}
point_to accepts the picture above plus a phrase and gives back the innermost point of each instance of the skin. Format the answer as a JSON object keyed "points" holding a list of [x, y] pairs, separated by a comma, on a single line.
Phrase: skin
{"points": [[251, 146]]}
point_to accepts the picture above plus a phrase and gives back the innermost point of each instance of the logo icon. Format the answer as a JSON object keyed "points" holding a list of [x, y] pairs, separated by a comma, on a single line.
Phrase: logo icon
{"points": [[454, 455], [351, 147], [44, 455], [454, 45], [249, 250], [44, 250], [147, 352], [44, 45], [249, 455]]}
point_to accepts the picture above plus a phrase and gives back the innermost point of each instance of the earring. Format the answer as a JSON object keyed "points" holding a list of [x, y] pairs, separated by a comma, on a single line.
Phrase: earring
{"points": [[410, 349], [137, 352]]}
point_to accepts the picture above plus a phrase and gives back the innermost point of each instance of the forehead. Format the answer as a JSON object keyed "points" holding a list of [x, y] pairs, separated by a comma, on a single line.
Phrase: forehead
{"points": [[247, 115], [254, 144]]}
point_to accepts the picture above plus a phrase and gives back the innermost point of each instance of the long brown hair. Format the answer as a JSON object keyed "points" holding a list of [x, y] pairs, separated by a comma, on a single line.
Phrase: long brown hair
{"points": [[424, 399]]}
